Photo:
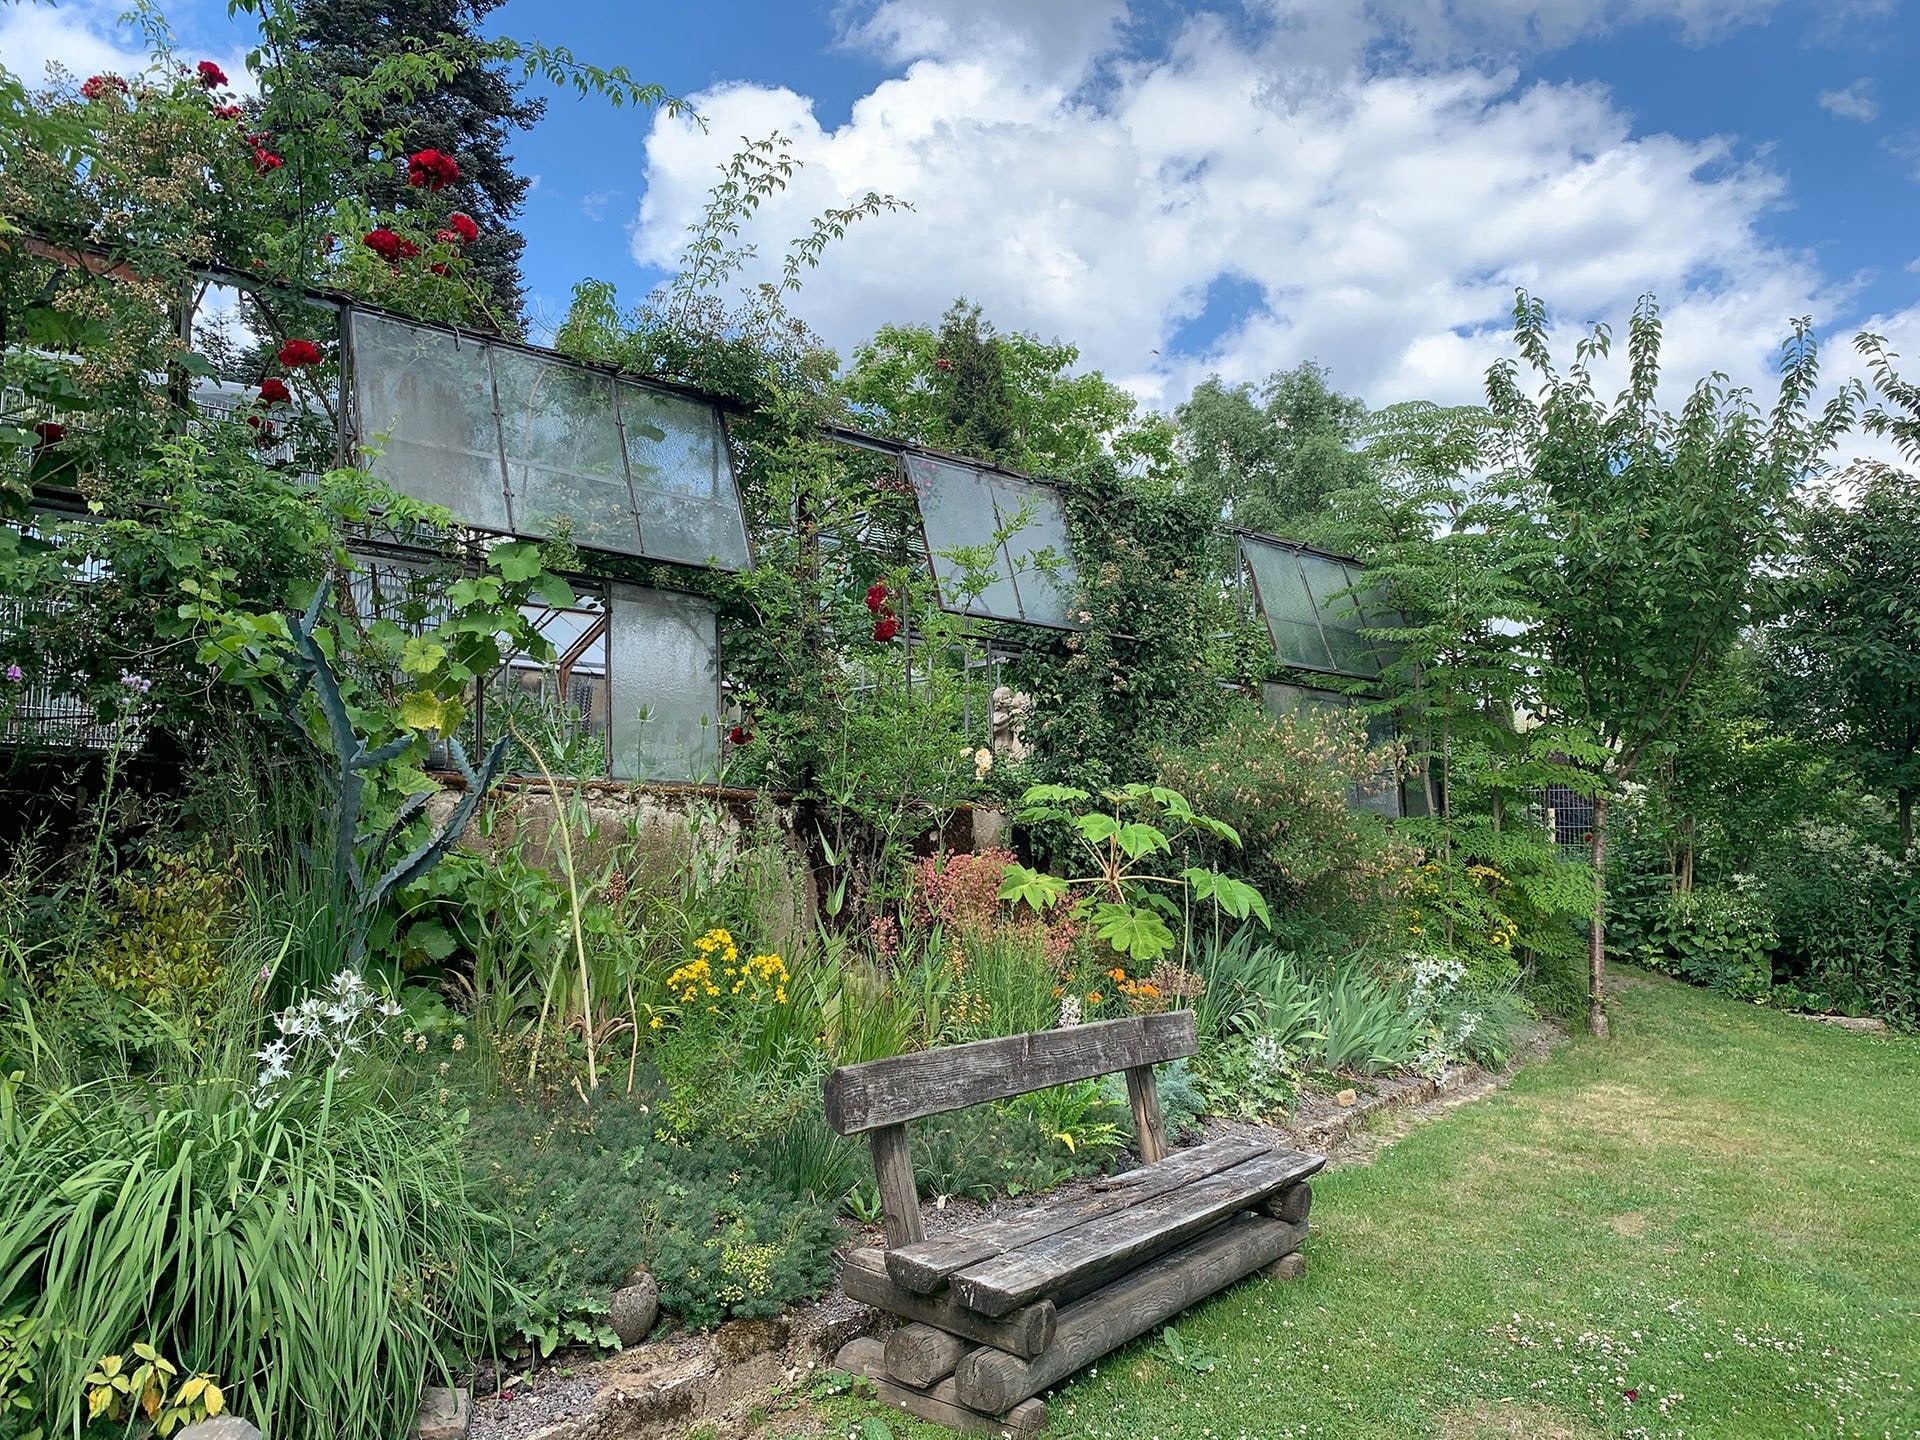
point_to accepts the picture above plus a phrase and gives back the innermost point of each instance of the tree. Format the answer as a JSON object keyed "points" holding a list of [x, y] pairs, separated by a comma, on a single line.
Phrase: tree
{"points": [[1850, 642], [469, 114], [1274, 457], [1657, 528]]}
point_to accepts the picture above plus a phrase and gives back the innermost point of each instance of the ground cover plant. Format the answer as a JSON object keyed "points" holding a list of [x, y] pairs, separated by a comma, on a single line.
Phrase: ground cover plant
{"points": [[1664, 1236]]}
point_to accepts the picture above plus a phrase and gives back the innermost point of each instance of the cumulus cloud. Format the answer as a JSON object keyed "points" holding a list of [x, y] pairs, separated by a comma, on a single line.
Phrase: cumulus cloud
{"points": [[87, 37], [1378, 217], [1855, 102]]}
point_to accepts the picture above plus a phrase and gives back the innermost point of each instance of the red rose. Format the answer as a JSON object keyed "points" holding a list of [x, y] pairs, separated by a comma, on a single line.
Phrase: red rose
{"points": [[228, 112], [299, 352], [384, 243], [51, 432], [260, 141], [740, 735], [462, 224], [265, 161], [431, 170], [886, 629], [328, 244], [263, 430], [273, 391], [98, 85], [211, 75], [439, 269], [876, 598]]}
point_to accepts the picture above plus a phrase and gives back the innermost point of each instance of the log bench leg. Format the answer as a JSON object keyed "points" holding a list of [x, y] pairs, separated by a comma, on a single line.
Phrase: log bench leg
{"points": [[990, 1380], [920, 1355], [939, 1403]]}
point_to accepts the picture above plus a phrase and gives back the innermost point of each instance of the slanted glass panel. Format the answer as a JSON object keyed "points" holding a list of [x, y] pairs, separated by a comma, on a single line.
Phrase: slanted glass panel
{"points": [[430, 394], [958, 511], [564, 462], [1291, 615], [664, 689], [682, 479], [1042, 556], [1340, 620]]}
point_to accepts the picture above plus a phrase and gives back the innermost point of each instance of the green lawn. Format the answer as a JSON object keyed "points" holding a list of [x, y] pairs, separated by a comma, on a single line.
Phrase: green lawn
{"points": [[1718, 1212]]}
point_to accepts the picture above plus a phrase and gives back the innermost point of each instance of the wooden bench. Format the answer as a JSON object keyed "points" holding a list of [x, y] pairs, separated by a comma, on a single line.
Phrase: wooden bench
{"points": [[997, 1313]]}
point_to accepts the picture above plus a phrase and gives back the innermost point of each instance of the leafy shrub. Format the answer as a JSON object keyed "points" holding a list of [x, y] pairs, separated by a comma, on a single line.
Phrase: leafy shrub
{"points": [[1846, 915], [1014, 1147], [1714, 936], [592, 1192], [165, 930], [1287, 787]]}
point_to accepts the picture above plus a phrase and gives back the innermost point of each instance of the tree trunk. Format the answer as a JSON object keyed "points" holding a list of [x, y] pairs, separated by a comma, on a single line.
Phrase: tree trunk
{"points": [[1686, 855], [1906, 823], [1597, 946]]}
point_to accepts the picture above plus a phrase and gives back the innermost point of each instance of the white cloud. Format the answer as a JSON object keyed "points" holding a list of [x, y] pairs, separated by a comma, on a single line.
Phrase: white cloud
{"points": [[86, 37], [1855, 102], [1385, 218]]}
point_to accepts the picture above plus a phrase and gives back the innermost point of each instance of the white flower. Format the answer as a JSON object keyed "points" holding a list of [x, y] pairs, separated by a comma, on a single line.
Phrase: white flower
{"points": [[1069, 1012]]}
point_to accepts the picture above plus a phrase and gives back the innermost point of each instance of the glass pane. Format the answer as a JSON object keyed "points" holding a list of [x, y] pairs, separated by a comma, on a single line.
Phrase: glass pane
{"points": [[564, 464], [430, 393], [664, 700], [682, 479], [957, 509], [1043, 570], [1339, 614], [1291, 615]]}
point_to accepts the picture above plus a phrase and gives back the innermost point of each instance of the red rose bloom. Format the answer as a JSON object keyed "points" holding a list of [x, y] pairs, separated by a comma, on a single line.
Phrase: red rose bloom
{"points": [[273, 391], [211, 75], [263, 430], [98, 85], [51, 432], [876, 598], [384, 243], [299, 352], [438, 269], [228, 112], [265, 161], [740, 735], [886, 629], [431, 170], [463, 225]]}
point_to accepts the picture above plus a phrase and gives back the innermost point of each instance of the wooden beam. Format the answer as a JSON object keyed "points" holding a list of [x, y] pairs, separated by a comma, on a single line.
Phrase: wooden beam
{"points": [[1291, 1204], [990, 1380], [938, 1403], [1026, 1331], [899, 1198], [918, 1355], [1117, 1240], [1149, 1126], [932, 1082], [925, 1267]]}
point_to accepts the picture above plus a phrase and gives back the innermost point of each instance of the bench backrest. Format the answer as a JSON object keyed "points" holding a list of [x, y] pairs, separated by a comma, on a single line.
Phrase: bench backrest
{"points": [[879, 1097], [932, 1082]]}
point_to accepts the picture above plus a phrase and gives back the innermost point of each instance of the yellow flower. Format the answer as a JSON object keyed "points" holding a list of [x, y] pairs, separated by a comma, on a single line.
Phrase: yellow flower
{"points": [[656, 1022]]}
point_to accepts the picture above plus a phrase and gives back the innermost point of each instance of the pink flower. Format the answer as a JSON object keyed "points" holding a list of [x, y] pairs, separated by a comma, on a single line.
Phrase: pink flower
{"points": [[296, 353], [211, 75], [15, 674], [273, 391], [431, 170]]}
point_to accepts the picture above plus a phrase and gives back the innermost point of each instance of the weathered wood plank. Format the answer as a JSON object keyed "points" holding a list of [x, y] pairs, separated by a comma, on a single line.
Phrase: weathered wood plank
{"points": [[1026, 1331], [925, 1267], [939, 1403], [899, 1199], [1291, 1204], [991, 1380], [1108, 1242], [932, 1082], [918, 1354], [1149, 1126]]}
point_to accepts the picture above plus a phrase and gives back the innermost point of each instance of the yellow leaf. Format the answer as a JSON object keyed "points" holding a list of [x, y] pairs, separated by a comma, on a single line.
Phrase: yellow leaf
{"points": [[421, 710], [1066, 1140], [215, 1401], [97, 1402], [184, 1396]]}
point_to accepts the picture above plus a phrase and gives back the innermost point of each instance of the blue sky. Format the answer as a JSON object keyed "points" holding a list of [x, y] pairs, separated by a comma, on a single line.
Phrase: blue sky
{"points": [[1182, 189]]}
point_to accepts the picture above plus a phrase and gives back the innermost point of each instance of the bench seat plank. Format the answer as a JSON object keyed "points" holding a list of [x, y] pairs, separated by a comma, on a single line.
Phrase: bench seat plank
{"points": [[1025, 1331], [1110, 1241], [925, 1266]]}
